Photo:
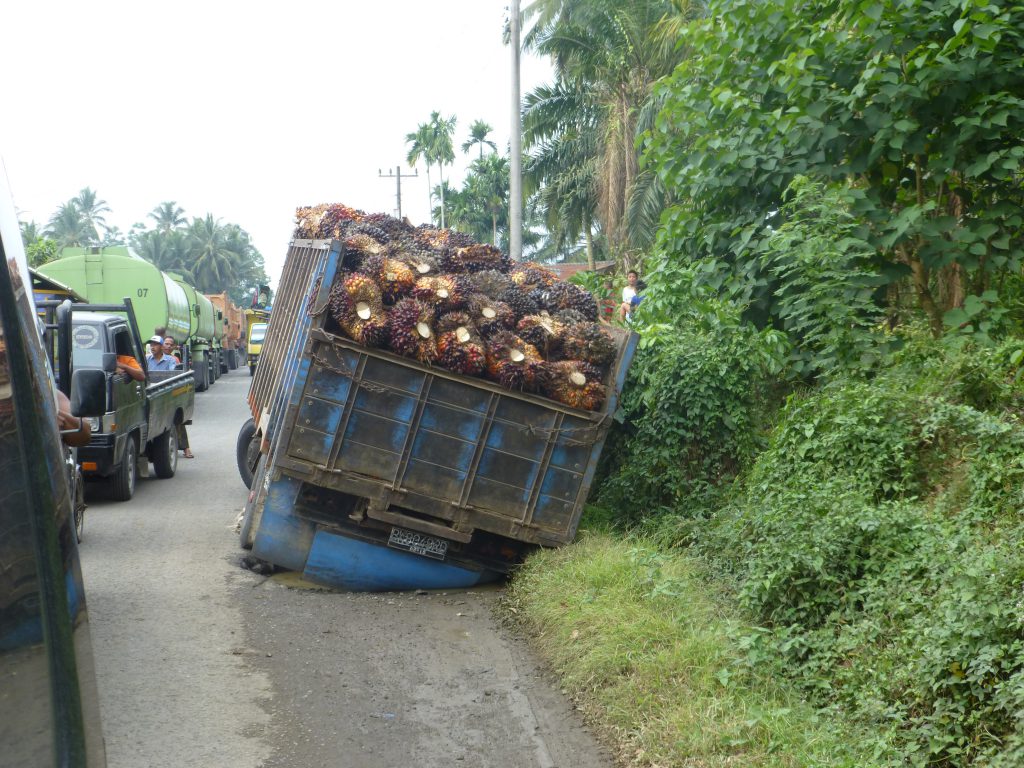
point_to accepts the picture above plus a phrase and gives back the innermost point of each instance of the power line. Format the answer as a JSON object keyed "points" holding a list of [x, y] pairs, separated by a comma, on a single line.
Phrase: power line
{"points": [[397, 175]]}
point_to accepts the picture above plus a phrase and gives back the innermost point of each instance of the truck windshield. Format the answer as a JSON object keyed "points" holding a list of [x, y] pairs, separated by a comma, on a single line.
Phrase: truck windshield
{"points": [[87, 346], [258, 332]]}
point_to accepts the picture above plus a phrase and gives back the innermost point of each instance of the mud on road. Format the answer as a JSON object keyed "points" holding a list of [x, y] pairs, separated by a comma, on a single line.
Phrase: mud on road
{"points": [[202, 663]]}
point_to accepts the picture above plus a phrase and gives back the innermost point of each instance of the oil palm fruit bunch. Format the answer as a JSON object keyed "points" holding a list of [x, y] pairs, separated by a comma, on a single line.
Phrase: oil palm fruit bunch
{"points": [[364, 227], [393, 228], [355, 304], [421, 261], [590, 343], [574, 383], [475, 258], [442, 239], [542, 331], [411, 330], [529, 276], [512, 362], [570, 317], [392, 275], [521, 303], [320, 221], [560, 296], [443, 292], [490, 282], [363, 244], [490, 316], [459, 345]]}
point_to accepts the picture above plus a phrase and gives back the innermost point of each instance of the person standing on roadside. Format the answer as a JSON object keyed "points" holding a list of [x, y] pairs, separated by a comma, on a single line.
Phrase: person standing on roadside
{"points": [[630, 294]]}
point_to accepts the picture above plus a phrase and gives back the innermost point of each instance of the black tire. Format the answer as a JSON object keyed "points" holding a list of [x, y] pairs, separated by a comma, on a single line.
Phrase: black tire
{"points": [[164, 454], [224, 367], [232, 360], [199, 371], [122, 484], [247, 451], [252, 369], [79, 502]]}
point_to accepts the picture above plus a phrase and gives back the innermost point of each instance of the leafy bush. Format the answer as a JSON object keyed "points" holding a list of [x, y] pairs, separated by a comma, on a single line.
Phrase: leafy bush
{"points": [[878, 542], [692, 411]]}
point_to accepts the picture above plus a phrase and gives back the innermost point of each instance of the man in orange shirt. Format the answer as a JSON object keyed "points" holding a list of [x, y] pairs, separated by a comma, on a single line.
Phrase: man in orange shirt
{"points": [[129, 366]]}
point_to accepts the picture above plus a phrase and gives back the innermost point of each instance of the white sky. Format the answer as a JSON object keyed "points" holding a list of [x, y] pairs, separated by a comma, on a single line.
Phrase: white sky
{"points": [[243, 110]]}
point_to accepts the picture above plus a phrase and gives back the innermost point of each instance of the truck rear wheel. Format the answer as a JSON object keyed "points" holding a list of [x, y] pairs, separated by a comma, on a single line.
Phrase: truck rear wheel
{"points": [[164, 454], [199, 371], [122, 484], [232, 360], [247, 451], [252, 369], [250, 522]]}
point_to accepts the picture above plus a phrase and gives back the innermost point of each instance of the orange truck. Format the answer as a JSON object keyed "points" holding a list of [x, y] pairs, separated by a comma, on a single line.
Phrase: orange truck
{"points": [[230, 314]]}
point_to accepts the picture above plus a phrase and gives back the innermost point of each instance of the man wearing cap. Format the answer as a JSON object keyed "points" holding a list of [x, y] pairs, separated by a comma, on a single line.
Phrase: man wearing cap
{"points": [[156, 360]]}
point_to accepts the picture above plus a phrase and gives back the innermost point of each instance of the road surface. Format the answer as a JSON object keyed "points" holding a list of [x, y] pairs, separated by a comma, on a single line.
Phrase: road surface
{"points": [[203, 663]]}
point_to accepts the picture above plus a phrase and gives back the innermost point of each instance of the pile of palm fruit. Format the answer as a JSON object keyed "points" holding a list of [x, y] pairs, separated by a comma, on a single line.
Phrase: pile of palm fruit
{"points": [[439, 297]]}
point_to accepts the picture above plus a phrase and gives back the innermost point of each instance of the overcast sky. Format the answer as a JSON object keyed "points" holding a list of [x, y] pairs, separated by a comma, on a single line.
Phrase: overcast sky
{"points": [[243, 110]]}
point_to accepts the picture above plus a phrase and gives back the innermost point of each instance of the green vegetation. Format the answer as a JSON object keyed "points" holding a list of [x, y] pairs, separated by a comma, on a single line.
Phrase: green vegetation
{"points": [[824, 417], [646, 649], [213, 256]]}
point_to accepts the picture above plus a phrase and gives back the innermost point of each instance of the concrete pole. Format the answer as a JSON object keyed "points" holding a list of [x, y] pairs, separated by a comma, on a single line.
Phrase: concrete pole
{"points": [[398, 189], [515, 192]]}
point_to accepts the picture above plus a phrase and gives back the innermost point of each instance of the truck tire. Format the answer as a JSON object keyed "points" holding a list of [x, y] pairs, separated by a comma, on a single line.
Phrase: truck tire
{"points": [[164, 454], [122, 484], [247, 451], [232, 360], [252, 369], [224, 367], [199, 371]]}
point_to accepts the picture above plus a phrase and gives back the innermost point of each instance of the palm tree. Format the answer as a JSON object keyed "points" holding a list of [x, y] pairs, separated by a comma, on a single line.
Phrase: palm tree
{"points": [[488, 186], [420, 142], [168, 215], [91, 209], [441, 150], [29, 232], [478, 132], [609, 54], [214, 261], [68, 227]]}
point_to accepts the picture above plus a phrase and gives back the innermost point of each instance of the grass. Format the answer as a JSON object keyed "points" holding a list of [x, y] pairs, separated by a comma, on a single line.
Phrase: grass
{"points": [[645, 648]]}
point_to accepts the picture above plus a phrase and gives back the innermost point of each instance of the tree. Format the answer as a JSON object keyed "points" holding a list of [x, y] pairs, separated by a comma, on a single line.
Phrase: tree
{"points": [[168, 215], [214, 255], [478, 132], [441, 150], [420, 142], [69, 228], [92, 211], [915, 109], [488, 188], [607, 54]]}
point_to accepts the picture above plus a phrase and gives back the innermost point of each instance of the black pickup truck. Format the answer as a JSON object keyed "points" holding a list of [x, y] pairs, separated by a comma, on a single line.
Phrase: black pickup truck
{"points": [[141, 417]]}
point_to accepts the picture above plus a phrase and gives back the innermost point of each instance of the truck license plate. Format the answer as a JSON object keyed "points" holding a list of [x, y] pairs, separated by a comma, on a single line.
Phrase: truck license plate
{"points": [[418, 543]]}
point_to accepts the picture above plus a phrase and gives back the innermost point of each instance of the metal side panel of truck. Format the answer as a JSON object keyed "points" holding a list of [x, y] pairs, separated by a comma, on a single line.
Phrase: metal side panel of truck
{"points": [[382, 473]]}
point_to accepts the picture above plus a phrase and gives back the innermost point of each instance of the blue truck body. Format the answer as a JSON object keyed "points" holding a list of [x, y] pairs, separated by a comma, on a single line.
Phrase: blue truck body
{"points": [[379, 473]]}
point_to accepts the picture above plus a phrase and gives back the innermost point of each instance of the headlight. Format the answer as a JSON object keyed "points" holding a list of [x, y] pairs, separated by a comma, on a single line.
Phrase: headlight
{"points": [[94, 423]]}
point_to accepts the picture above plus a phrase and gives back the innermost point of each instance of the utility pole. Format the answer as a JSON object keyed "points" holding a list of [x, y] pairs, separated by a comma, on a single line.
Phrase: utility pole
{"points": [[515, 192], [397, 175]]}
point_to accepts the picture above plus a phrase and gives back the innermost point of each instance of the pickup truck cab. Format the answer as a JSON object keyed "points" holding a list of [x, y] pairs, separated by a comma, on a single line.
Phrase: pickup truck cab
{"points": [[141, 417], [254, 345]]}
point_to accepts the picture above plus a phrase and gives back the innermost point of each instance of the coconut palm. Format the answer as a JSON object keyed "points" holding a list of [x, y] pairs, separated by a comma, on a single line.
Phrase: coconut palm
{"points": [[214, 260], [69, 228], [478, 133], [419, 142], [30, 232], [92, 211], [441, 149], [610, 54], [168, 215]]}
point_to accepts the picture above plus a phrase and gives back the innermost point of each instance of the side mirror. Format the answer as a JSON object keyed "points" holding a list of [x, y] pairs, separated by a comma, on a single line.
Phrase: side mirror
{"points": [[109, 364], [88, 392]]}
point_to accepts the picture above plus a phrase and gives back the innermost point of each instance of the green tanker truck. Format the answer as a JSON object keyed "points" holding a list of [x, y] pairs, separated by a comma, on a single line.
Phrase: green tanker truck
{"points": [[201, 334], [108, 275]]}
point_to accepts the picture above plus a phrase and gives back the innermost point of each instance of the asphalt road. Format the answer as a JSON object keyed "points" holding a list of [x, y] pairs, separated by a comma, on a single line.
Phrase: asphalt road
{"points": [[203, 663]]}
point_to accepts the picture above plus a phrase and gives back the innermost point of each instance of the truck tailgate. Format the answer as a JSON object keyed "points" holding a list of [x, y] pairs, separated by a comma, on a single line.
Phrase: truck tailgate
{"points": [[376, 425]]}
